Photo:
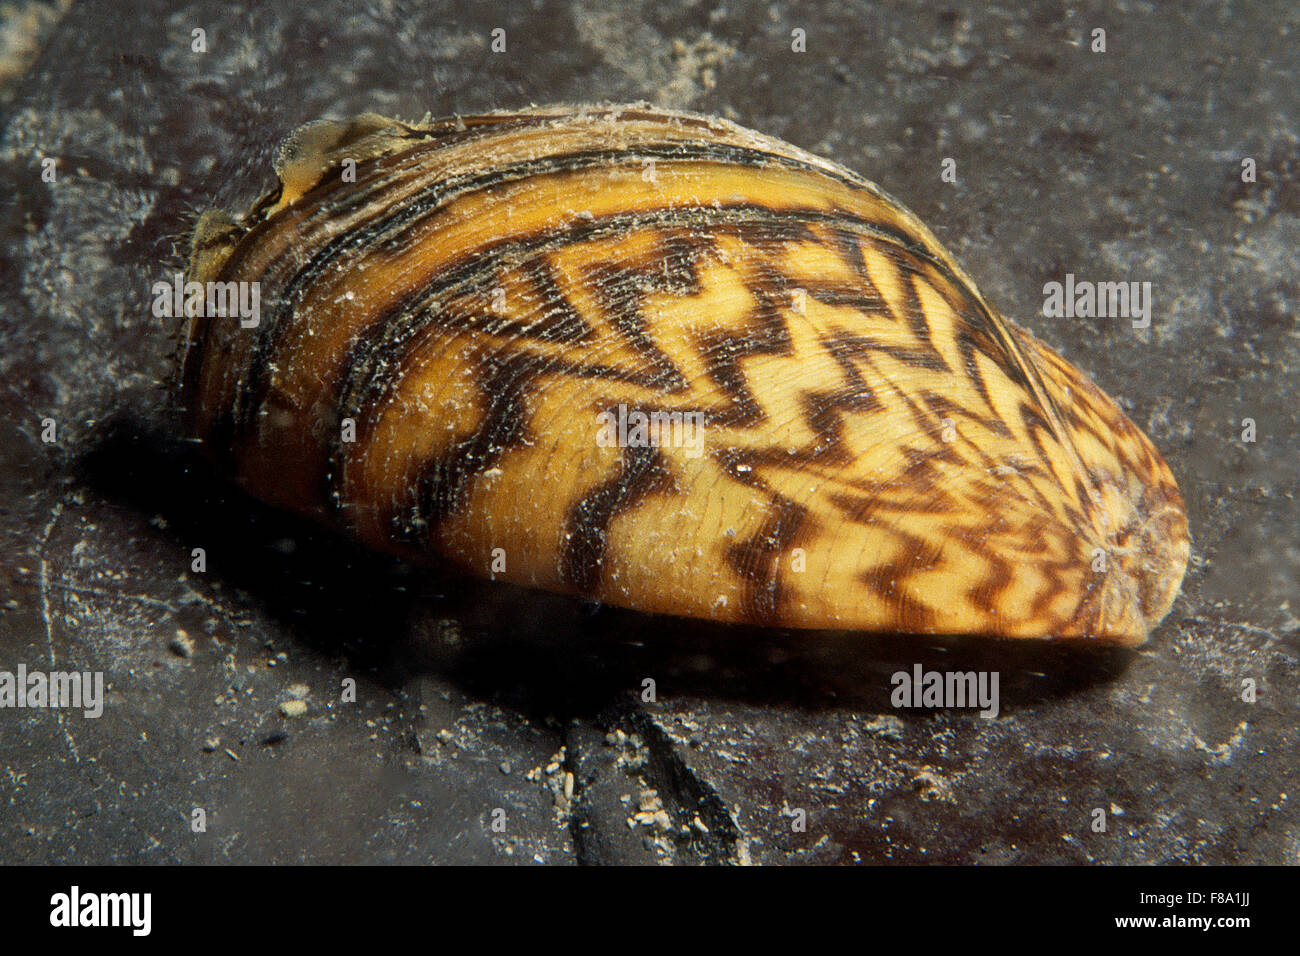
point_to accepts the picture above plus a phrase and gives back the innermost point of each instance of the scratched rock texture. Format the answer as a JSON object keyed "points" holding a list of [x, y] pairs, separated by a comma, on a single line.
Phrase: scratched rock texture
{"points": [[477, 703]]}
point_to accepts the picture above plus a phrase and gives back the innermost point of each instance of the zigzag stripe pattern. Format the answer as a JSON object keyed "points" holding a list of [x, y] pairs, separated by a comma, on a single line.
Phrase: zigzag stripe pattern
{"points": [[877, 448]]}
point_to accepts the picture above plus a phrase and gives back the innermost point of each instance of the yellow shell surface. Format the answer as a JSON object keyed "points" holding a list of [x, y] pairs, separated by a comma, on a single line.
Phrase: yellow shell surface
{"points": [[464, 322]]}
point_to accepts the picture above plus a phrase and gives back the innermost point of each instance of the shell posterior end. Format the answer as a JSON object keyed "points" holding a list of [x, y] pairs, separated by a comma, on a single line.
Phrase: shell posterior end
{"points": [[1147, 559]]}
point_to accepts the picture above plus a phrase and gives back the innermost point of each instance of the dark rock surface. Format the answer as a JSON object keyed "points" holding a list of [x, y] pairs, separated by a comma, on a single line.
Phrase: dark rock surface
{"points": [[473, 698]]}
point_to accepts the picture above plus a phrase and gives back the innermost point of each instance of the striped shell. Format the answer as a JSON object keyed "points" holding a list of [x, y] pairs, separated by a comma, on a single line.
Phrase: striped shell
{"points": [[453, 311]]}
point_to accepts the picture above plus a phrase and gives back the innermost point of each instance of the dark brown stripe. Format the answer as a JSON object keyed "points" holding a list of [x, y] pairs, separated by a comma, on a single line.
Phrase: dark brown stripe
{"points": [[857, 506], [889, 582], [618, 291], [722, 351], [561, 322], [945, 407], [444, 482], [823, 409], [986, 593], [642, 472], [757, 560]]}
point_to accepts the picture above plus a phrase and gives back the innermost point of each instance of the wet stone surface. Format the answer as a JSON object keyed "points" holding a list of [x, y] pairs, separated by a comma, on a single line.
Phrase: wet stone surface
{"points": [[321, 704]]}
